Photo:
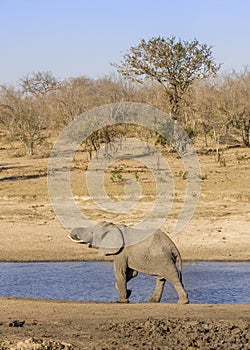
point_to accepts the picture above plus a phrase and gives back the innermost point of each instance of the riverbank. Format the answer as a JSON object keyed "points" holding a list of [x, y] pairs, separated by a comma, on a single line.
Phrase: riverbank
{"points": [[208, 240], [118, 326]]}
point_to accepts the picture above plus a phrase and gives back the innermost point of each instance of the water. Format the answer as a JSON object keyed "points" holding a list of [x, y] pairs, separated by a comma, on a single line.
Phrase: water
{"points": [[205, 282]]}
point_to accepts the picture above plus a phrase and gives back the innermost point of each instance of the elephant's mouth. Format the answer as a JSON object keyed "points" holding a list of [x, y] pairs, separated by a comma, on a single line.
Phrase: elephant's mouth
{"points": [[76, 239]]}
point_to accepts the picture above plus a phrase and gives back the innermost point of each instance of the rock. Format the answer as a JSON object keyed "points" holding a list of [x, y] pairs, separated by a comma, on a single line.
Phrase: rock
{"points": [[36, 344], [16, 323]]}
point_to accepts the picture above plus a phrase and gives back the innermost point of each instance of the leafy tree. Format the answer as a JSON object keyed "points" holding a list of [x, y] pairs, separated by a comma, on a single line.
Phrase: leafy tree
{"points": [[174, 64]]}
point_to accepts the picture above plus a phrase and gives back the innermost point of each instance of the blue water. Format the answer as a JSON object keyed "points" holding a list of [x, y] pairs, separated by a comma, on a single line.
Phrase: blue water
{"points": [[205, 282]]}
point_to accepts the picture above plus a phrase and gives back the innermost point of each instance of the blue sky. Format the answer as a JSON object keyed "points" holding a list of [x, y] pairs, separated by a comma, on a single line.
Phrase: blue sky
{"points": [[81, 37]]}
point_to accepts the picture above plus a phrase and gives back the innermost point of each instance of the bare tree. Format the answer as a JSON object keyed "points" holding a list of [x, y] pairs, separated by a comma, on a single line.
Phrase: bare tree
{"points": [[74, 97], [22, 119], [39, 83], [234, 102]]}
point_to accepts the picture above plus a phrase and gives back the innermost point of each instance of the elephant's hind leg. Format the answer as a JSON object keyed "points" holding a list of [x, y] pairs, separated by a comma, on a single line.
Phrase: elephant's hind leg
{"points": [[156, 296], [173, 277]]}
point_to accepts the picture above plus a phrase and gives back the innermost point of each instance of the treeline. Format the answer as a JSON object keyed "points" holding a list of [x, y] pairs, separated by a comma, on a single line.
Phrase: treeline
{"points": [[214, 110]]}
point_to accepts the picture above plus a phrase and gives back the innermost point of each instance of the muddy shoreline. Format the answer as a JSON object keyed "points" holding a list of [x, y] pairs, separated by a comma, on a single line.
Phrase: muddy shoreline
{"points": [[119, 326]]}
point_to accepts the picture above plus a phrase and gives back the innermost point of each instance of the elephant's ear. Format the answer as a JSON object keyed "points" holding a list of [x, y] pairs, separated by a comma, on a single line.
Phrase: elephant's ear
{"points": [[112, 240]]}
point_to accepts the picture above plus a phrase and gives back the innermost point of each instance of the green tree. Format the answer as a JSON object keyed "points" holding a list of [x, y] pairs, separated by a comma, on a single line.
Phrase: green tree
{"points": [[174, 64]]}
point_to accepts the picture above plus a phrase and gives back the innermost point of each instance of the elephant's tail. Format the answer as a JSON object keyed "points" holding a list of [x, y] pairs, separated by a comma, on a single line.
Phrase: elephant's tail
{"points": [[178, 261]]}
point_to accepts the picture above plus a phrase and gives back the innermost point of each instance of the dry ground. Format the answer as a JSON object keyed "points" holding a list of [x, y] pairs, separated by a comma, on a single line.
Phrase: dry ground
{"points": [[29, 231], [133, 326], [219, 229]]}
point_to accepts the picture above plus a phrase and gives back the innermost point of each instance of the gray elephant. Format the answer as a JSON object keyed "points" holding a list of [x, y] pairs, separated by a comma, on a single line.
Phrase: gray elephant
{"points": [[154, 255]]}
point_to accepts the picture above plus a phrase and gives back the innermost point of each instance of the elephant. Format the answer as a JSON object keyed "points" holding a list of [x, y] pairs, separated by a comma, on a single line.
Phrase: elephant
{"points": [[154, 255]]}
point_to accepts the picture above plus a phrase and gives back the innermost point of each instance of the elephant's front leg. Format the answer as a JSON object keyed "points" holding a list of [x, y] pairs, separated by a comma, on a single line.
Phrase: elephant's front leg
{"points": [[120, 270], [156, 296]]}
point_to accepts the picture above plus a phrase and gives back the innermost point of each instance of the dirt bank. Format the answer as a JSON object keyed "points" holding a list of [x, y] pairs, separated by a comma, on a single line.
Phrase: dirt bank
{"points": [[115, 326]]}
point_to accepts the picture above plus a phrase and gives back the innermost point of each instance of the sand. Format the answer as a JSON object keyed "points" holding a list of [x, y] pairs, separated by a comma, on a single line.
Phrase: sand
{"points": [[119, 326], [79, 325], [30, 231]]}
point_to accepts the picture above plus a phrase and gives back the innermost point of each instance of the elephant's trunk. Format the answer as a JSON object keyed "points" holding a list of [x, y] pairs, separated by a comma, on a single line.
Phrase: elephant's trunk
{"points": [[81, 235]]}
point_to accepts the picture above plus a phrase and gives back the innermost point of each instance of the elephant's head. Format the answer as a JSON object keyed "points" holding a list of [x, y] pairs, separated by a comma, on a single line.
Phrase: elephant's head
{"points": [[107, 237]]}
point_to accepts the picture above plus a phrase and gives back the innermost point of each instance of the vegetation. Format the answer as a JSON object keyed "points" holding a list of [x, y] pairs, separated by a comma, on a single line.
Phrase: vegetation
{"points": [[215, 109], [174, 64]]}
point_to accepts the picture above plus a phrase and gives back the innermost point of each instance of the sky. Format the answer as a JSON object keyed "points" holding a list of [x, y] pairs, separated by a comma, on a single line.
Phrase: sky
{"points": [[83, 37]]}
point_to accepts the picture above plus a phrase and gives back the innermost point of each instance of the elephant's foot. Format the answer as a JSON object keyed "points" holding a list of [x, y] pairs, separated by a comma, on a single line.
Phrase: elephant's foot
{"points": [[125, 300], [122, 301], [153, 300], [183, 301]]}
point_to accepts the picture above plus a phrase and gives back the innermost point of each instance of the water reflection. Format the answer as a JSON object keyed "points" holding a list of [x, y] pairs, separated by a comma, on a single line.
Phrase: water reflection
{"points": [[206, 282]]}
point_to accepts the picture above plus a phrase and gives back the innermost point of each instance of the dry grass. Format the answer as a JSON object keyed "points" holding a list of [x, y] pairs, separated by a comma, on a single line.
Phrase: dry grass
{"points": [[225, 189], [219, 228]]}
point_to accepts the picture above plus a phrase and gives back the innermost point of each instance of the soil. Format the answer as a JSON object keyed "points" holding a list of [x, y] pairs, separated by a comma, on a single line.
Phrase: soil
{"points": [[218, 230], [30, 231], [74, 325]]}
